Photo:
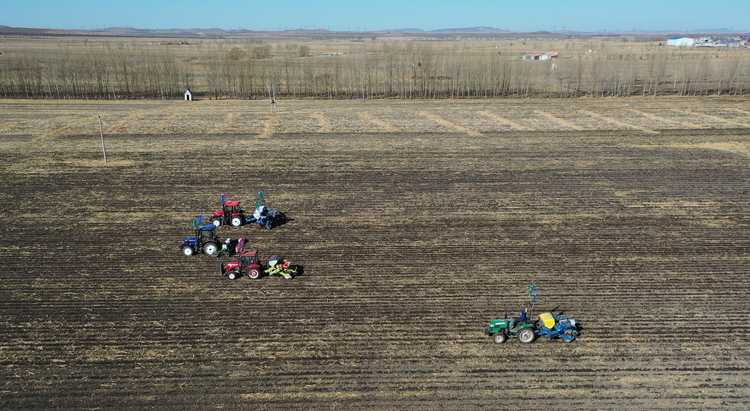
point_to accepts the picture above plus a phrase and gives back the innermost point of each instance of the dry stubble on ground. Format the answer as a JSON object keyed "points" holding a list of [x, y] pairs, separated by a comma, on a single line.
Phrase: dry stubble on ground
{"points": [[416, 222]]}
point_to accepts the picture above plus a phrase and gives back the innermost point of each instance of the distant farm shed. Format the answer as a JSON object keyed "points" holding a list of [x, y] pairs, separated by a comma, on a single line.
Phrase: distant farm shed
{"points": [[681, 42], [538, 56], [188, 95]]}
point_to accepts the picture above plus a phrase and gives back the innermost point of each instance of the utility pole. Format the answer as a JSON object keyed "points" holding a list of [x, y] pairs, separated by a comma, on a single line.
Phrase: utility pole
{"points": [[272, 95], [101, 133]]}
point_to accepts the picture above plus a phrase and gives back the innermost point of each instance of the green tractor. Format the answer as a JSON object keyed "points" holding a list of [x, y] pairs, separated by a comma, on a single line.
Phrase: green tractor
{"points": [[521, 327]]}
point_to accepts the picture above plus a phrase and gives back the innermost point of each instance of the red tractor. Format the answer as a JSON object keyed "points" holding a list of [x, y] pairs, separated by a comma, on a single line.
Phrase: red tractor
{"points": [[230, 213], [248, 265]]}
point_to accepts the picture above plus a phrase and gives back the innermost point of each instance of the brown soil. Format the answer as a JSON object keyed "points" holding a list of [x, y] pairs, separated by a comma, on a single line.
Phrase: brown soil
{"points": [[411, 238]]}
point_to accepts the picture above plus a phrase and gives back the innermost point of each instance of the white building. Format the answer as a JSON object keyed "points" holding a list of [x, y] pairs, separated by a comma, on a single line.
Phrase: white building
{"points": [[681, 42], [188, 95]]}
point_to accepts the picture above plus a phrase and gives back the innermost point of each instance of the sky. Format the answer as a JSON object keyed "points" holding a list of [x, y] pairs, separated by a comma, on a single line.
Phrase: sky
{"points": [[353, 15]]}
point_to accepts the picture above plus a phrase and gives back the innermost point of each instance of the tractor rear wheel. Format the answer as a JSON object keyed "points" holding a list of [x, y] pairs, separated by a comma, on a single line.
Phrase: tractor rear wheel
{"points": [[500, 338], [232, 275], [210, 248], [187, 250], [235, 221], [253, 273], [526, 335]]}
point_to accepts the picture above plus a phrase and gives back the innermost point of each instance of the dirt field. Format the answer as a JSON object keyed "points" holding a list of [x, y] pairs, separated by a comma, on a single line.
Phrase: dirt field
{"points": [[416, 223]]}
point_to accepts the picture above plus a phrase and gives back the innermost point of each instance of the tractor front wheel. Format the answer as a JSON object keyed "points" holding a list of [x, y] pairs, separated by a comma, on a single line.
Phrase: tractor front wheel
{"points": [[500, 338], [232, 275], [187, 250], [236, 221], [217, 222], [526, 335], [253, 273], [210, 248]]}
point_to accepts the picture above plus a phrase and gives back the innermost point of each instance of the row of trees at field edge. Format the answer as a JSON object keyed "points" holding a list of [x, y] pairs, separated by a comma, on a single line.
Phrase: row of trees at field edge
{"points": [[386, 70]]}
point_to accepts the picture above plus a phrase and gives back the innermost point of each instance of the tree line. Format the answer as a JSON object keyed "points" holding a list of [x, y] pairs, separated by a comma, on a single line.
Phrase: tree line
{"points": [[413, 70]]}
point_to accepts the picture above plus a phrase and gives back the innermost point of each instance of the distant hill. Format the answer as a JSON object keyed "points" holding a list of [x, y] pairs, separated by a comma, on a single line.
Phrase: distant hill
{"points": [[719, 31], [480, 29], [221, 33], [406, 31]]}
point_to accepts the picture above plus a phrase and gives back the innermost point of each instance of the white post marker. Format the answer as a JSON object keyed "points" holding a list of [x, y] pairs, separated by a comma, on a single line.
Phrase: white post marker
{"points": [[101, 133]]}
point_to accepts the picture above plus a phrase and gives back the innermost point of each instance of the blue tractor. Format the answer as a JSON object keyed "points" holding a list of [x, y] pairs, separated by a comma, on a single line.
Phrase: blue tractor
{"points": [[205, 239]]}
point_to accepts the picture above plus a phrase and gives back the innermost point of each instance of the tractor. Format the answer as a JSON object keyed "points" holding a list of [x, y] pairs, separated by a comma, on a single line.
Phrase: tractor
{"points": [[230, 213], [205, 239], [521, 327], [249, 265], [526, 329]]}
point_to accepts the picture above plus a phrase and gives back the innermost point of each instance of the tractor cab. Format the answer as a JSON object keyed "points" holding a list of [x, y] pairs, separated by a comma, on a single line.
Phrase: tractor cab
{"points": [[247, 265], [249, 258], [206, 232], [205, 240], [231, 208], [230, 213], [202, 233]]}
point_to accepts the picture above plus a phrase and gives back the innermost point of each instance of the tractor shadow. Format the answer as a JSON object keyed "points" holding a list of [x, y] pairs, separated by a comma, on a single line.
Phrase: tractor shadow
{"points": [[281, 220]]}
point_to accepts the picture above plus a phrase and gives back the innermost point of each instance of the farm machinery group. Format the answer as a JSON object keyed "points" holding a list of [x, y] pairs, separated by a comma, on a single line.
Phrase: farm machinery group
{"points": [[525, 327], [207, 241]]}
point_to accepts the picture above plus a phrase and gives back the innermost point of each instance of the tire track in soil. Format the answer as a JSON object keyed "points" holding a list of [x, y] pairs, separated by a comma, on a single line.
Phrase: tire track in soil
{"points": [[682, 124], [378, 122], [721, 119], [121, 127], [60, 131], [162, 126], [324, 124], [449, 124], [269, 127], [690, 113], [560, 121], [618, 122], [220, 128], [505, 121], [740, 111]]}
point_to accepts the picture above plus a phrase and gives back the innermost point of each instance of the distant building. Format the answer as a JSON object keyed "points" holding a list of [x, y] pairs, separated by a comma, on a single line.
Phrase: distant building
{"points": [[188, 95], [537, 56], [681, 42]]}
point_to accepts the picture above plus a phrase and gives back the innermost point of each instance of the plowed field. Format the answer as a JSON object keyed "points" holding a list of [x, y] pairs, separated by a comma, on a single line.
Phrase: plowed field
{"points": [[416, 223]]}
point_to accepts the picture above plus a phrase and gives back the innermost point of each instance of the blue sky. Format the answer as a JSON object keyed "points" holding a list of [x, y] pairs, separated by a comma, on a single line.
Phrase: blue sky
{"points": [[529, 15]]}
